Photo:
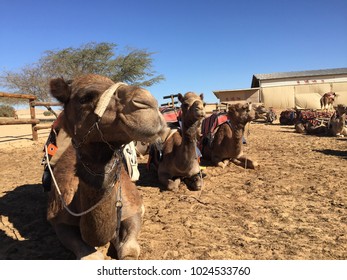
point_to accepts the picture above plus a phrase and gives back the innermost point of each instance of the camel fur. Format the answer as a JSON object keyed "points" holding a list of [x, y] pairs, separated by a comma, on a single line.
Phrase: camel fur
{"points": [[90, 172], [327, 101], [179, 161], [228, 139], [337, 124]]}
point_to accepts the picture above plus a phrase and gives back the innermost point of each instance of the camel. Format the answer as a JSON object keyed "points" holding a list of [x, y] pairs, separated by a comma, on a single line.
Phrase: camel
{"points": [[179, 159], [227, 142], [268, 115], [93, 201], [327, 101], [337, 123]]}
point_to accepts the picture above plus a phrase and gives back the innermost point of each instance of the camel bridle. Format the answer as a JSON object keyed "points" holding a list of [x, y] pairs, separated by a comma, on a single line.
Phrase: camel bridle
{"points": [[100, 109]]}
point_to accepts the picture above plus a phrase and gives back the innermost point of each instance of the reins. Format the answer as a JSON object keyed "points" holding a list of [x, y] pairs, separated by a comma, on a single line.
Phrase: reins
{"points": [[118, 202]]}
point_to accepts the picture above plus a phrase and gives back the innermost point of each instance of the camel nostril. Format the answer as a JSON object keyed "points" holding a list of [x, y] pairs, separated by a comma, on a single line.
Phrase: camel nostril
{"points": [[144, 103], [144, 100], [140, 104]]}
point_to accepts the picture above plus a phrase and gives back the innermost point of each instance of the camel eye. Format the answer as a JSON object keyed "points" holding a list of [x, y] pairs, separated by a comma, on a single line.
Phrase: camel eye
{"points": [[87, 98], [185, 105]]}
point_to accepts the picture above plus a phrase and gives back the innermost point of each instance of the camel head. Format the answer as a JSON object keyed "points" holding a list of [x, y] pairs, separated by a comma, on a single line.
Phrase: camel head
{"points": [[193, 107], [241, 114], [341, 109], [122, 113]]}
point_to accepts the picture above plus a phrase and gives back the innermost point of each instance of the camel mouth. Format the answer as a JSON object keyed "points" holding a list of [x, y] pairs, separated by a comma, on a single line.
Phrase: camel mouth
{"points": [[200, 115]]}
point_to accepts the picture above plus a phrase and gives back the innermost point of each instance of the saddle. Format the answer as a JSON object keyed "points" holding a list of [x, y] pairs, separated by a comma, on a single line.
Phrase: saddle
{"points": [[315, 118], [210, 125], [172, 116]]}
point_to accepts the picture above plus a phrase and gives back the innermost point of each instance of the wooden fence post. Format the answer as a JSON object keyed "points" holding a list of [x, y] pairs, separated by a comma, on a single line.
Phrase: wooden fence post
{"points": [[33, 121], [33, 116]]}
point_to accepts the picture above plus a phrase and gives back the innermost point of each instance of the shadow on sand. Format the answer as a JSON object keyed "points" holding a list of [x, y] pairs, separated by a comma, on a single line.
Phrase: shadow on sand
{"points": [[25, 233]]}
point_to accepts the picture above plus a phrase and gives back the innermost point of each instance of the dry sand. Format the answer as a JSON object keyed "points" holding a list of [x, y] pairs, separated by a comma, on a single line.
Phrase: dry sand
{"points": [[21, 135]]}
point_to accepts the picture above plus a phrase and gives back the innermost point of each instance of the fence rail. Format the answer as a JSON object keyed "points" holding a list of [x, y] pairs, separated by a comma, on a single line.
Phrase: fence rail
{"points": [[33, 120]]}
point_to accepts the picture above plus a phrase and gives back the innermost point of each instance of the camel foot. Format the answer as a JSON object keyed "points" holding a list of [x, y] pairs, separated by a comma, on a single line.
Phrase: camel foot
{"points": [[223, 163], [94, 256], [245, 163], [129, 250], [173, 185], [195, 182]]}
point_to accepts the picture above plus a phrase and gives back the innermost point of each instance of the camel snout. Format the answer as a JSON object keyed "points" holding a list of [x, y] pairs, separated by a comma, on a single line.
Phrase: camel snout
{"points": [[143, 99], [200, 113], [147, 103]]}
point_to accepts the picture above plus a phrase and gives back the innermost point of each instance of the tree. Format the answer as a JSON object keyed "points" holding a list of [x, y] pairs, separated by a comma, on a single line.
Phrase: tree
{"points": [[133, 67]]}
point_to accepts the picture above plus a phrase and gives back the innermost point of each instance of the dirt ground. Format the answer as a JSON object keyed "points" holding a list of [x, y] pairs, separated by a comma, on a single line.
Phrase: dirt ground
{"points": [[293, 207]]}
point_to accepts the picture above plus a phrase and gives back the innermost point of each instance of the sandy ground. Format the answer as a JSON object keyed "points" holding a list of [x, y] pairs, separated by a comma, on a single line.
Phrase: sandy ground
{"points": [[21, 135], [294, 206]]}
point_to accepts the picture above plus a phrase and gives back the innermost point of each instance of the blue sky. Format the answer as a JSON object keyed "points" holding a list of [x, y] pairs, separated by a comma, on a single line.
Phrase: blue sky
{"points": [[199, 46]]}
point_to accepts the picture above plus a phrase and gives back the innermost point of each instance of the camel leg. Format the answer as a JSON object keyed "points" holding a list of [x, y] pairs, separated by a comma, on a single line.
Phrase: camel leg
{"points": [[245, 162], [71, 239], [223, 163], [129, 248], [173, 185], [170, 184], [219, 162]]}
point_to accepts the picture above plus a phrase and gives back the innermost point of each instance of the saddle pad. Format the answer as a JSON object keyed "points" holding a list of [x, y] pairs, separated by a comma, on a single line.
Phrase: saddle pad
{"points": [[310, 114], [316, 118], [171, 115], [287, 117], [211, 123]]}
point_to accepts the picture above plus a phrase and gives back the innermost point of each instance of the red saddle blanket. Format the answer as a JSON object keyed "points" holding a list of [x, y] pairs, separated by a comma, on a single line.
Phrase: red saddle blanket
{"points": [[210, 124], [170, 114]]}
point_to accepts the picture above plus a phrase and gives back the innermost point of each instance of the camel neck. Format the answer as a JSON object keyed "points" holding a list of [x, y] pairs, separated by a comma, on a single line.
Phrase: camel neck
{"points": [[97, 165], [99, 169], [238, 130], [190, 132]]}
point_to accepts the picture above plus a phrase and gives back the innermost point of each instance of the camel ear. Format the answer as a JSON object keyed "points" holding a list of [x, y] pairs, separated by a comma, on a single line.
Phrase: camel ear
{"points": [[202, 96], [180, 97], [60, 89]]}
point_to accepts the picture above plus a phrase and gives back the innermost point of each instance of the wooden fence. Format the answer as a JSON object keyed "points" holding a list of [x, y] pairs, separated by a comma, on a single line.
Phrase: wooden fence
{"points": [[209, 107], [33, 120]]}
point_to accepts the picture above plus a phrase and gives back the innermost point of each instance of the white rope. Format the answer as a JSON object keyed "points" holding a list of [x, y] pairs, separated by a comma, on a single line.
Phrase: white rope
{"points": [[105, 99], [60, 195]]}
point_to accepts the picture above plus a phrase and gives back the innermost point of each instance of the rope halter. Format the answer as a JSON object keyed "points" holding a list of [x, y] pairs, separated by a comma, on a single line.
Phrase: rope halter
{"points": [[105, 98], [100, 109]]}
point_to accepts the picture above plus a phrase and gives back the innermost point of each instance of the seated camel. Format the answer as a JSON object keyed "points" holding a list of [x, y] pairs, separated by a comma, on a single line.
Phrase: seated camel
{"points": [[93, 201], [227, 141], [268, 115], [337, 123], [178, 159]]}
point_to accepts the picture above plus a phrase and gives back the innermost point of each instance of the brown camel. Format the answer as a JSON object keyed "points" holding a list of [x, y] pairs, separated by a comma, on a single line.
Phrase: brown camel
{"points": [[228, 138], [337, 124], [99, 204], [268, 115], [179, 161], [327, 100]]}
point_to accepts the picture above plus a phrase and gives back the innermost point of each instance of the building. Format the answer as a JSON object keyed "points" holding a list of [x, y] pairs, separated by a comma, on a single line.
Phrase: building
{"points": [[301, 89]]}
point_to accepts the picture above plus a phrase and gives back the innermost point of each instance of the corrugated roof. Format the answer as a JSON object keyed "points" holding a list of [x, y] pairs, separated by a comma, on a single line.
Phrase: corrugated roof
{"points": [[296, 74]]}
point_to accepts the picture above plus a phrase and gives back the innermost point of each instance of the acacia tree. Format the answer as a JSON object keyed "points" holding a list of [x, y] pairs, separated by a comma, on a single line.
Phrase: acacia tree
{"points": [[133, 67]]}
